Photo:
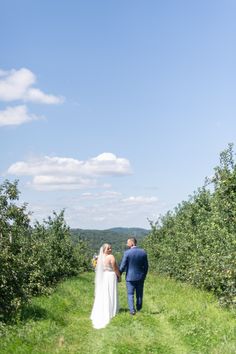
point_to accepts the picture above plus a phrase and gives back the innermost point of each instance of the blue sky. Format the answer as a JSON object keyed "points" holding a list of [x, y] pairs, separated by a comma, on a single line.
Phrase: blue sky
{"points": [[114, 110]]}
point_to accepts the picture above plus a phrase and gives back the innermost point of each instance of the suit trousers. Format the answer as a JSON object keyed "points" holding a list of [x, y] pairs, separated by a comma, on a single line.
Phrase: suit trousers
{"points": [[137, 288]]}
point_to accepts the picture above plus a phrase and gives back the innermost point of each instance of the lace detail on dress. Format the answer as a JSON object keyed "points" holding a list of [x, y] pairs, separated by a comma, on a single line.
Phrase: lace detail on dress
{"points": [[108, 268]]}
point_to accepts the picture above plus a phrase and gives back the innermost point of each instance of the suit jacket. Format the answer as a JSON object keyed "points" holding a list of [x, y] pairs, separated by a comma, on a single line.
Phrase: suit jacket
{"points": [[135, 264]]}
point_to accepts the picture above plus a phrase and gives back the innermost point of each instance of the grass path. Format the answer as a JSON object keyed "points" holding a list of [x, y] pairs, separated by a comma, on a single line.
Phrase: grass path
{"points": [[176, 319]]}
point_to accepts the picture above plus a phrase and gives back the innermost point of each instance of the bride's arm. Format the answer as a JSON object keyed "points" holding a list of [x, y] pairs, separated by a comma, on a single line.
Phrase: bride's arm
{"points": [[114, 266]]}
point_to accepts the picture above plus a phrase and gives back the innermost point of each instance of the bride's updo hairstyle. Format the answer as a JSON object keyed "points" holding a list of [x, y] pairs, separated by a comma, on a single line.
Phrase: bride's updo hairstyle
{"points": [[105, 246]]}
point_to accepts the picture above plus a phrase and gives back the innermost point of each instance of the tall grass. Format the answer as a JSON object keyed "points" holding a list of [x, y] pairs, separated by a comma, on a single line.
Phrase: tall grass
{"points": [[176, 318]]}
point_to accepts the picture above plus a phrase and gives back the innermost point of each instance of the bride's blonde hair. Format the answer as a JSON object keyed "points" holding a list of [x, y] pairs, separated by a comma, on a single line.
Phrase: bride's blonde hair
{"points": [[105, 246]]}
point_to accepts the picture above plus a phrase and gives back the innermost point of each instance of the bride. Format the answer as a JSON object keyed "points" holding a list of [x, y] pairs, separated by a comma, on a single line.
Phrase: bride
{"points": [[106, 303]]}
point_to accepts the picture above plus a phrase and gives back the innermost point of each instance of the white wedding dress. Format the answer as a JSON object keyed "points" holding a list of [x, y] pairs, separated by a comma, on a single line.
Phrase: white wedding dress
{"points": [[106, 303]]}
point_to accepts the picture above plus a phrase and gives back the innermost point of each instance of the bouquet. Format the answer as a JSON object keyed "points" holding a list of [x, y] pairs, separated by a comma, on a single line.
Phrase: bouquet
{"points": [[94, 261]]}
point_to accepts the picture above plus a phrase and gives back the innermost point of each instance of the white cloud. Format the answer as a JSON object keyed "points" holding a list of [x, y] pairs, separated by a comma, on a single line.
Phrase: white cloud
{"points": [[3, 72], [45, 166], [140, 200], [106, 213], [106, 195], [35, 95], [64, 165], [94, 210], [68, 173], [16, 85], [47, 183], [107, 164], [16, 115]]}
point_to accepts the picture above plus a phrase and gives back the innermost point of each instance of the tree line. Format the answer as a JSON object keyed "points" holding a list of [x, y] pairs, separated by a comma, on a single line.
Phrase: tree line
{"points": [[33, 258], [196, 242]]}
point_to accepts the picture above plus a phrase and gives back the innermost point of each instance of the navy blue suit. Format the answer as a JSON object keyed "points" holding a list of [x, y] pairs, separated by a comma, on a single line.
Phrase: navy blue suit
{"points": [[135, 264]]}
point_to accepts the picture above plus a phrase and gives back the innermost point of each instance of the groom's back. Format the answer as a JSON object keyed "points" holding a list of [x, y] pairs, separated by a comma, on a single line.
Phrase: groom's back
{"points": [[136, 264]]}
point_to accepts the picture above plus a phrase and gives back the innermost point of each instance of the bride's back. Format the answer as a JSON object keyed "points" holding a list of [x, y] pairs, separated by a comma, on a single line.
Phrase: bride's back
{"points": [[108, 262]]}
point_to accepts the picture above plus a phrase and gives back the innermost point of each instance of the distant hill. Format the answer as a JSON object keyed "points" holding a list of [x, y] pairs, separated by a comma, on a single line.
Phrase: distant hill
{"points": [[130, 231], [117, 236]]}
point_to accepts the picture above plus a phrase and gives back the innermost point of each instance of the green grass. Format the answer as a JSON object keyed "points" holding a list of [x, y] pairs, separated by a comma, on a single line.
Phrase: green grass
{"points": [[176, 318]]}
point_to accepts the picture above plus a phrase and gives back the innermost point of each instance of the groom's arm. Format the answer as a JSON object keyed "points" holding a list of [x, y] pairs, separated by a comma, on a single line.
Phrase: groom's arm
{"points": [[146, 265], [123, 264]]}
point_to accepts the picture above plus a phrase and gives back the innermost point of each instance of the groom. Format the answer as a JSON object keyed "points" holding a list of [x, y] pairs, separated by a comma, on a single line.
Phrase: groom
{"points": [[135, 264]]}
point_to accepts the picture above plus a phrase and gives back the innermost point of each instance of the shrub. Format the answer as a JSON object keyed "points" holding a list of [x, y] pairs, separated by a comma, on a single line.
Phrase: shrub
{"points": [[197, 241], [32, 259]]}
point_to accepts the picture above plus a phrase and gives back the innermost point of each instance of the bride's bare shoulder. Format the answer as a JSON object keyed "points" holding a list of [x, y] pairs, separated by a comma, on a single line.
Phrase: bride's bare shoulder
{"points": [[110, 256]]}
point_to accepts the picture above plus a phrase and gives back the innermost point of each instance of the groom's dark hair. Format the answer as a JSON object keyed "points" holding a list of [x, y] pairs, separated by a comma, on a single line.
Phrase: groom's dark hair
{"points": [[133, 239]]}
